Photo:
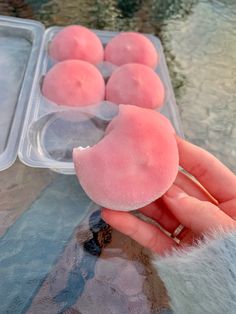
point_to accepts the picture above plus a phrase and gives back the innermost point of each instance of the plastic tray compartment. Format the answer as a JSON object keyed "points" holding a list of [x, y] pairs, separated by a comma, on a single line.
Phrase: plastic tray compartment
{"points": [[20, 42], [51, 131]]}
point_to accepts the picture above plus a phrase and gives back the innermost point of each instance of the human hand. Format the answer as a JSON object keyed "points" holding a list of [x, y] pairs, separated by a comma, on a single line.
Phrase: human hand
{"points": [[195, 206]]}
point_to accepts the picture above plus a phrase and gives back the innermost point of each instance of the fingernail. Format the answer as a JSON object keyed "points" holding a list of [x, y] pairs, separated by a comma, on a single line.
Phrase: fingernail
{"points": [[175, 193]]}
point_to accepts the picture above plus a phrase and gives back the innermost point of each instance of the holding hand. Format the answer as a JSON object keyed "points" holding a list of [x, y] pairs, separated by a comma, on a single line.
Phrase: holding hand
{"points": [[188, 209]]}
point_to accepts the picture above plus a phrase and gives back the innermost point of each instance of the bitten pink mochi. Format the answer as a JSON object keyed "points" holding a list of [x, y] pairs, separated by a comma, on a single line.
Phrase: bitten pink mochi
{"points": [[134, 164], [74, 83], [76, 42], [131, 47], [135, 84]]}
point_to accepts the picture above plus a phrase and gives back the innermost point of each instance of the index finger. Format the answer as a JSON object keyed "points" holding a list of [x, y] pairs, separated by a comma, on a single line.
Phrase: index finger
{"points": [[208, 170], [144, 233]]}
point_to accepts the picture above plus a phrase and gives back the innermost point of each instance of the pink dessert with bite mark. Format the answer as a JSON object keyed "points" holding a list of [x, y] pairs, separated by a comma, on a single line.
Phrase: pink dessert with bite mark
{"points": [[134, 164]]}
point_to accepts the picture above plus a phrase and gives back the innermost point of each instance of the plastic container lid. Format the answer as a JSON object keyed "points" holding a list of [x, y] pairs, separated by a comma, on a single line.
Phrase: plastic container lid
{"points": [[20, 43], [50, 131]]}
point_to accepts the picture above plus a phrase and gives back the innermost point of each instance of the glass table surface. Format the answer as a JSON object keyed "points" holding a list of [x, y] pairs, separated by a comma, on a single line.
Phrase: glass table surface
{"points": [[56, 253]]}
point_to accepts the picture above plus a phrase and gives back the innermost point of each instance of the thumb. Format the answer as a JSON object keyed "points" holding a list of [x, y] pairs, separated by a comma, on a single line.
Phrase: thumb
{"points": [[198, 216]]}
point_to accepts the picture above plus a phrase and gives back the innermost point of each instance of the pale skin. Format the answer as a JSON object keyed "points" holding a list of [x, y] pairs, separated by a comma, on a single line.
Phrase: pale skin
{"points": [[201, 205]]}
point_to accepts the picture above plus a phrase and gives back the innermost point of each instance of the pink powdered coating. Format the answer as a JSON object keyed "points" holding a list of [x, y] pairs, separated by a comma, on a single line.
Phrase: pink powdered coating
{"points": [[134, 164], [74, 83], [76, 42], [131, 47], [137, 85]]}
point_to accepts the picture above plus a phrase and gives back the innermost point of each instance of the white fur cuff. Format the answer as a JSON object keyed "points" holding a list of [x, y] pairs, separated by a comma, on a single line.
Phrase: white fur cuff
{"points": [[202, 279]]}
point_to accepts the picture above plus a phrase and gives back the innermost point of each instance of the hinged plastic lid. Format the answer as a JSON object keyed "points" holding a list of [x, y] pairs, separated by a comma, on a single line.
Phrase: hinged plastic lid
{"points": [[20, 43]]}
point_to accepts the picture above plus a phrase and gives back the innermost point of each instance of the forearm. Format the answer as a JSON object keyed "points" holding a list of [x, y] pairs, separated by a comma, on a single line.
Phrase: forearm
{"points": [[201, 279]]}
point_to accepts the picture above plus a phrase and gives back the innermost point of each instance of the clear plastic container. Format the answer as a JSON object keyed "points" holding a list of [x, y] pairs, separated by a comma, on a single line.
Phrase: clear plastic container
{"points": [[50, 132]]}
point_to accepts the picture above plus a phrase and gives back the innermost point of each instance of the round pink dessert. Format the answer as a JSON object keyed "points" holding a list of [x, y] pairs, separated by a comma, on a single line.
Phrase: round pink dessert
{"points": [[76, 42], [74, 83], [134, 164], [131, 47], [137, 85]]}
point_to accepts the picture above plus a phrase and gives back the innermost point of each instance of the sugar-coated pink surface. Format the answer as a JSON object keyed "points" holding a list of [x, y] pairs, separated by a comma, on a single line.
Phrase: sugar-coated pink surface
{"points": [[134, 164], [74, 83], [135, 84], [131, 47], [76, 42]]}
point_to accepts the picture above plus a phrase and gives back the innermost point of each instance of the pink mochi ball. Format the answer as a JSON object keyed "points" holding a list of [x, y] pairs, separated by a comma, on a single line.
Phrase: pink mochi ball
{"points": [[76, 42], [137, 85], [74, 83], [130, 47], [134, 164]]}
